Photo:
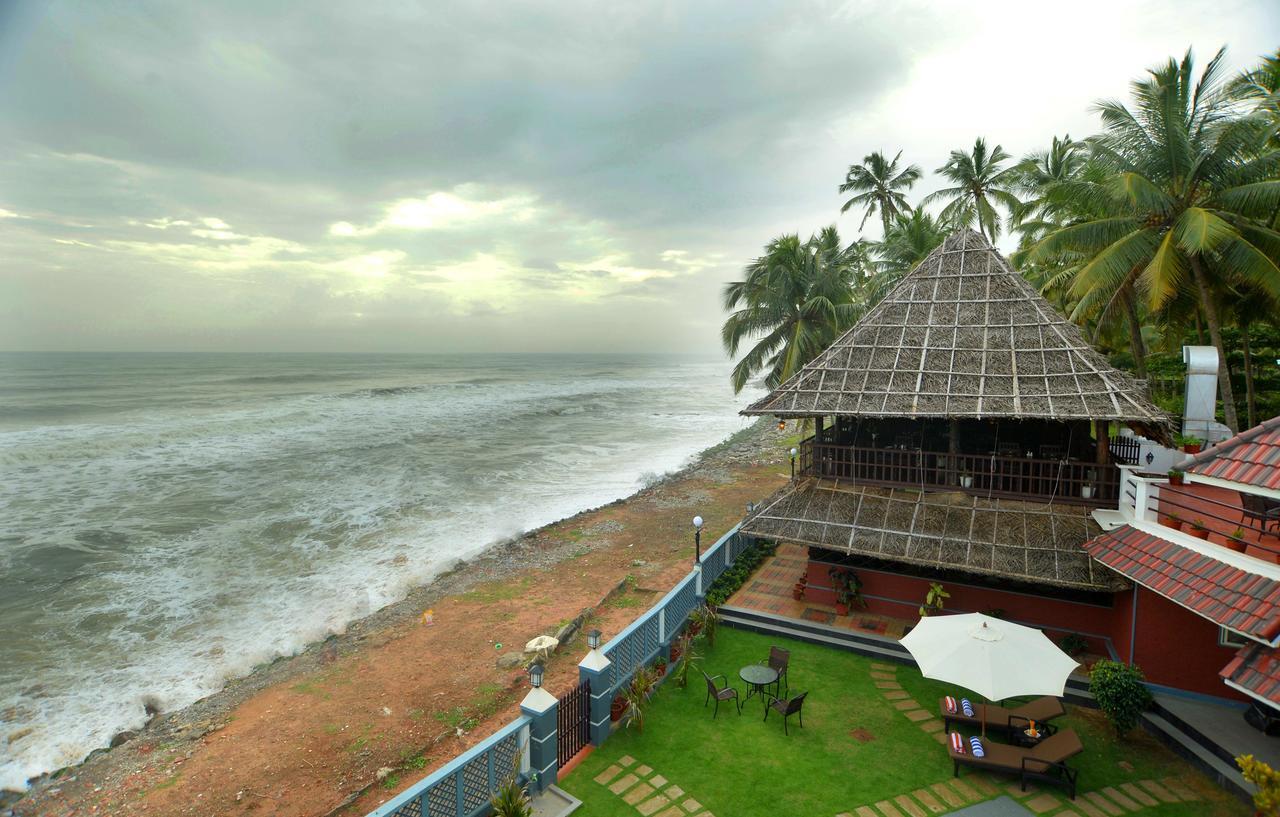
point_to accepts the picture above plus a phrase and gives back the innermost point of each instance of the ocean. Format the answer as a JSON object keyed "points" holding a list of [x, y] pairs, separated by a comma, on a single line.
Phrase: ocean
{"points": [[168, 521]]}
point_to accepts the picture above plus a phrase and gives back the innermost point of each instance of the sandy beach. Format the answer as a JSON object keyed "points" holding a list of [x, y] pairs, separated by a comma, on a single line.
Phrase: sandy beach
{"points": [[352, 720]]}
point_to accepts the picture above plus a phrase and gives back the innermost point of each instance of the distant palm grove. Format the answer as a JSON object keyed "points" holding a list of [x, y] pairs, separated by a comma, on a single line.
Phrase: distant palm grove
{"points": [[1162, 229]]}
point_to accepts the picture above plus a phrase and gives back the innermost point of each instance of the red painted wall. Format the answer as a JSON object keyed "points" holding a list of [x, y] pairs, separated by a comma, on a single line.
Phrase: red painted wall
{"points": [[892, 594], [1177, 648], [1173, 646]]}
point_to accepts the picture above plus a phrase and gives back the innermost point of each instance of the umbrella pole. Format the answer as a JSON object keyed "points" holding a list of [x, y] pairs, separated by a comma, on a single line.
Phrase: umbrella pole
{"points": [[984, 720]]}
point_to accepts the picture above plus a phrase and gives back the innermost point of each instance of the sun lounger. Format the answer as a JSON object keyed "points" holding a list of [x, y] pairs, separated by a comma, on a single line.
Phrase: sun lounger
{"points": [[1045, 762], [1000, 719]]}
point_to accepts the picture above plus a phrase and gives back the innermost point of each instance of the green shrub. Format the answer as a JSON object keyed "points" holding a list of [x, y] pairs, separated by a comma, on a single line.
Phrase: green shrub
{"points": [[737, 573], [511, 801], [1120, 693]]}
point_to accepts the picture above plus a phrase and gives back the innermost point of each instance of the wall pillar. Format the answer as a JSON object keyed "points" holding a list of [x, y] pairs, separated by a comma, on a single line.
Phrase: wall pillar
{"points": [[597, 669], [543, 710]]}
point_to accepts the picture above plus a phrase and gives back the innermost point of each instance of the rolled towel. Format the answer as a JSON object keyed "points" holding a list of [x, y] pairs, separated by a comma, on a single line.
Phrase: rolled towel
{"points": [[977, 746], [957, 743], [967, 707], [950, 704]]}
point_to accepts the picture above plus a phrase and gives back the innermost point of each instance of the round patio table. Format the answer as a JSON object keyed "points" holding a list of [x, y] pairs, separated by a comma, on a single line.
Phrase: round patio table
{"points": [[757, 677]]}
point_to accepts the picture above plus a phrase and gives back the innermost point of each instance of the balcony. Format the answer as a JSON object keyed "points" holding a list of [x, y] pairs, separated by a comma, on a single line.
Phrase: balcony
{"points": [[1207, 512], [989, 475]]}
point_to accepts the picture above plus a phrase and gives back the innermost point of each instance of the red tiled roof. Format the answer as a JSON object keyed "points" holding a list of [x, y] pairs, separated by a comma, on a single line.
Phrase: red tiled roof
{"points": [[1256, 670], [1233, 598], [1252, 457]]}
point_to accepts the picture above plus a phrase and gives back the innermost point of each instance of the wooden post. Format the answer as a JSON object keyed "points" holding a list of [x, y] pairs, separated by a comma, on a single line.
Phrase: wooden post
{"points": [[817, 428], [953, 451], [1100, 432]]}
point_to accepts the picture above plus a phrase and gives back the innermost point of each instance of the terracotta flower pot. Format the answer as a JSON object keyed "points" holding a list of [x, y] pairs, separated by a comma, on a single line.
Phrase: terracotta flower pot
{"points": [[617, 709], [1237, 546], [842, 609], [1175, 479], [1176, 524], [1199, 533], [1192, 449]]}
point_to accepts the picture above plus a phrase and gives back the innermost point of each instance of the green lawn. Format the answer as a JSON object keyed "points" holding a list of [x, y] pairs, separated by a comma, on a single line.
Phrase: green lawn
{"points": [[739, 766]]}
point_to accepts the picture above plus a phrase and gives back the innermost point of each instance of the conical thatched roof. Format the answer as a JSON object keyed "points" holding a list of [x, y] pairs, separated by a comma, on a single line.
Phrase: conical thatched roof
{"points": [[962, 335]]}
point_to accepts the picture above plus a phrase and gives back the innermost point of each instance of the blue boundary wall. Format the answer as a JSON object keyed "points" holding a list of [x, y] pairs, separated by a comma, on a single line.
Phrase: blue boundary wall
{"points": [[464, 786]]}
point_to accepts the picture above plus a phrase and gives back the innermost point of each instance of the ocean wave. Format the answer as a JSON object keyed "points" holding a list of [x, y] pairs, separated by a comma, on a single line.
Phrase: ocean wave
{"points": [[177, 548]]}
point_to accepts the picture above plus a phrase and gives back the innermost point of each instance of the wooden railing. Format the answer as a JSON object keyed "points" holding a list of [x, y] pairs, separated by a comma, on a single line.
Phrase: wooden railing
{"points": [[1037, 480]]}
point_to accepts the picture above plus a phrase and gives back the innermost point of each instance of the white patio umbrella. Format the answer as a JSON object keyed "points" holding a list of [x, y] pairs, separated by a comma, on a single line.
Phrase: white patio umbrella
{"points": [[996, 659]]}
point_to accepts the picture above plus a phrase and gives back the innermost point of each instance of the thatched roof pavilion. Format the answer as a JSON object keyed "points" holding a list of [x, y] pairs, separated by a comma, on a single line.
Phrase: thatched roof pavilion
{"points": [[962, 336]]}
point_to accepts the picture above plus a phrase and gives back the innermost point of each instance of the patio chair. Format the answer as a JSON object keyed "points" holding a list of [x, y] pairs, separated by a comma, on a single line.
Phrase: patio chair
{"points": [[720, 693], [1045, 762], [786, 708], [1260, 510], [1052, 452], [1000, 719], [779, 659]]}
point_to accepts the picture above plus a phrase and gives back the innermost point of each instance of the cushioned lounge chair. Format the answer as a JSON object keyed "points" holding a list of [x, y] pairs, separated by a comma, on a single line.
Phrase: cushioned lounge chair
{"points": [[1046, 762], [1000, 719]]}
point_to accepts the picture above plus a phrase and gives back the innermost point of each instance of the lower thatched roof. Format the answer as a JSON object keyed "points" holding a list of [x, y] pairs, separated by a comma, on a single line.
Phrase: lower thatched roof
{"points": [[1019, 541]]}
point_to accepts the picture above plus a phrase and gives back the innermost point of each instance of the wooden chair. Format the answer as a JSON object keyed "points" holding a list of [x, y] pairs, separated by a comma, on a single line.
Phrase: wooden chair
{"points": [[786, 708], [720, 693], [1045, 762], [779, 659], [1000, 719], [1260, 510]]}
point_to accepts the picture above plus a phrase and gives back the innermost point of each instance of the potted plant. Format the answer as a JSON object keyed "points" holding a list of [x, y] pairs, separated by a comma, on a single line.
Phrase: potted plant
{"points": [[637, 701], [689, 659], [1172, 520], [1188, 443], [677, 649], [511, 800], [660, 667], [966, 479], [705, 619], [798, 591], [618, 708], [933, 600], [1074, 644], [1198, 529], [848, 588], [1086, 491], [1236, 540], [1175, 477]]}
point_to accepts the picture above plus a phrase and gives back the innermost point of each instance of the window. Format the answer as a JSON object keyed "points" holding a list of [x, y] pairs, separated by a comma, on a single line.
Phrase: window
{"points": [[1226, 638]]}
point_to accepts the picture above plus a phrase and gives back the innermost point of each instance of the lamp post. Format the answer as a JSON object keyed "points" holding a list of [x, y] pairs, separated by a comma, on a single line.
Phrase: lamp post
{"points": [[535, 674], [593, 639], [697, 540], [793, 463]]}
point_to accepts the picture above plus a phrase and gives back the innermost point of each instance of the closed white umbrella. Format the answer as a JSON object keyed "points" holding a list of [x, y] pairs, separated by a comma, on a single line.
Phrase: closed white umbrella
{"points": [[996, 659]]}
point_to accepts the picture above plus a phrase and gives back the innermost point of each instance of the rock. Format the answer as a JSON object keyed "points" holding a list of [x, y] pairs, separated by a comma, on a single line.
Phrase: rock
{"points": [[510, 661], [544, 644], [122, 738]]}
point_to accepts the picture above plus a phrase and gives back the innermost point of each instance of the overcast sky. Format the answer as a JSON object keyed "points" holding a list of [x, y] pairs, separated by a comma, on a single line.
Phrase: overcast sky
{"points": [[373, 176]]}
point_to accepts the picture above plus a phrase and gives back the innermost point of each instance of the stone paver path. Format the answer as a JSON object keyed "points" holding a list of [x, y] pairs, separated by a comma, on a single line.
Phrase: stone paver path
{"points": [[652, 795]]}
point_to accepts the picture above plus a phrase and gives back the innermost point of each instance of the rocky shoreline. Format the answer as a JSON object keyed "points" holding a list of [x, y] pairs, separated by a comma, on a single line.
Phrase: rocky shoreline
{"points": [[537, 549]]}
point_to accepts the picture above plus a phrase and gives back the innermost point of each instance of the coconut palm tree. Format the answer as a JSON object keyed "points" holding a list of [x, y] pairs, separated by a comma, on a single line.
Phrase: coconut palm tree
{"points": [[796, 298], [879, 185], [979, 184], [1038, 176], [908, 241], [1189, 182]]}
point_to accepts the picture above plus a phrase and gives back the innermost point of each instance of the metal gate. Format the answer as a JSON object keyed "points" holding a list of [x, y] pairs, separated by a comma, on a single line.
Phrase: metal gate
{"points": [[574, 725]]}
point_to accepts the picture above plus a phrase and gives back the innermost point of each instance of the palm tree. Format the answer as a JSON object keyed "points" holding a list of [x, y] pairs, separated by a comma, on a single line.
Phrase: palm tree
{"points": [[1037, 176], [1189, 180], [979, 185], [906, 243], [879, 183], [796, 298]]}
